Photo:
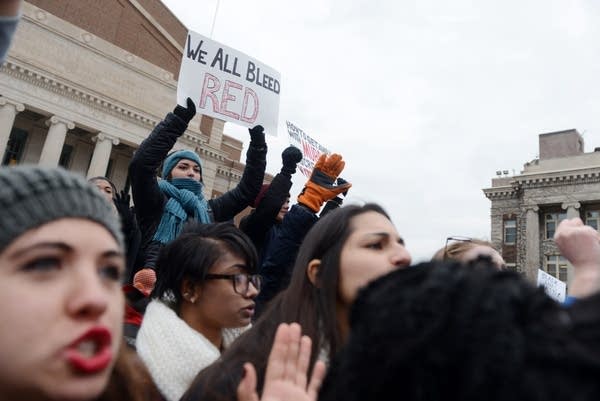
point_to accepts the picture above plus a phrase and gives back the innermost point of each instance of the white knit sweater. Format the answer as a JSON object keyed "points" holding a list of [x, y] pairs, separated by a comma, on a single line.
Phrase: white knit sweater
{"points": [[174, 352]]}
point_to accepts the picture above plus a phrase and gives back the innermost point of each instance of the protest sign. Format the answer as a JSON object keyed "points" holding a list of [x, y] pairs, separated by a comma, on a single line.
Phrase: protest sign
{"points": [[228, 85], [311, 149], [555, 288]]}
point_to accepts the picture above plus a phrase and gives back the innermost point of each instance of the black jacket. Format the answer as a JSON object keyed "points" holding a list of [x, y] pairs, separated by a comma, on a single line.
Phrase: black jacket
{"points": [[276, 270], [150, 201], [261, 224]]}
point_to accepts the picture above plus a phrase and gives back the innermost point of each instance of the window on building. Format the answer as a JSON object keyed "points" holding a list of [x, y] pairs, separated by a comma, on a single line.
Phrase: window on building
{"points": [[65, 156], [552, 221], [510, 231], [592, 218], [15, 147], [556, 265]]}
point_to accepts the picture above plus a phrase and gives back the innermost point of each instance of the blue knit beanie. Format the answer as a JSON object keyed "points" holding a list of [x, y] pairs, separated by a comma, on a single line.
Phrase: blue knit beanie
{"points": [[172, 160]]}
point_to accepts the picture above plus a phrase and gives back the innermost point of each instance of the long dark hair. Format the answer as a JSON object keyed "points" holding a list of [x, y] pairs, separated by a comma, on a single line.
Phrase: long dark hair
{"points": [[314, 307], [194, 252]]}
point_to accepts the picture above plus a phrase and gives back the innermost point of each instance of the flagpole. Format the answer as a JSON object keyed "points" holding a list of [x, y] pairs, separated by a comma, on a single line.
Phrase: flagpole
{"points": [[212, 30]]}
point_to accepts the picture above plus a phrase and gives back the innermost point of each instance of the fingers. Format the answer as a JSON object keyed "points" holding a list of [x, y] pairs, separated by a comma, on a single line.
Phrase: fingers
{"points": [[246, 390], [190, 104], [320, 162], [316, 380], [303, 361], [334, 165], [277, 358], [293, 350]]}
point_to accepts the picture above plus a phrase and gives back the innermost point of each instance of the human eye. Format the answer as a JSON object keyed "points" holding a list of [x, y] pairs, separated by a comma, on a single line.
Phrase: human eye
{"points": [[111, 272], [240, 279], [42, 264], [375, 245]]}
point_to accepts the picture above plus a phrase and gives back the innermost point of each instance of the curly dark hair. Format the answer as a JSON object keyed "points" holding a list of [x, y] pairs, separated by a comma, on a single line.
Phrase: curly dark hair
{"points": [[446, 331]]}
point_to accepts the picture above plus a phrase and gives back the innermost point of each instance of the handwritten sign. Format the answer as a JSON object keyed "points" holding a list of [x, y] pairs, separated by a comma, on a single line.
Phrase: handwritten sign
{"points": [[311, 149], [228, 85], [555, 288]]}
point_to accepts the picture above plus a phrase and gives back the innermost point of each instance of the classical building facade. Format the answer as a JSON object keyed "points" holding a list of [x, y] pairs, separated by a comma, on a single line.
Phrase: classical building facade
{"points": [[86, 81], [564, 182]]}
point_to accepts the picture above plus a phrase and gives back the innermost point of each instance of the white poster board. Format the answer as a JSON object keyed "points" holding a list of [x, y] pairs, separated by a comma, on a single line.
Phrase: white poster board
{"points": [[228, 85], [311, 149], [555, 288]]}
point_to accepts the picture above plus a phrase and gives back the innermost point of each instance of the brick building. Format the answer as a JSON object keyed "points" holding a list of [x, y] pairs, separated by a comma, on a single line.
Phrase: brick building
{"points": [[564, 182], [86, 81]]}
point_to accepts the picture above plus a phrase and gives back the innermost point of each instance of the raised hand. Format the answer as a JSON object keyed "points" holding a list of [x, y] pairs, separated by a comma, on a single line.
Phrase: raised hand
{"points": [[580, 244], [285, 378]]}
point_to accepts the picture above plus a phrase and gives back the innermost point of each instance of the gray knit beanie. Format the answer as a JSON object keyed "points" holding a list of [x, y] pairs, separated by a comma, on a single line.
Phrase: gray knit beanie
{"points": [[31, 196]]}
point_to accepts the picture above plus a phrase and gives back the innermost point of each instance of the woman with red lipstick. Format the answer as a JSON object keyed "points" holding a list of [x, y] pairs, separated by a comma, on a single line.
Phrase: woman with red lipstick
{"points": [[203, 299], [61, 262]]}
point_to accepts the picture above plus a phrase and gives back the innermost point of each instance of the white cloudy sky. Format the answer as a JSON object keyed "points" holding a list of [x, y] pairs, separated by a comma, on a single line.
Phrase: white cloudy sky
{"points": [[425, 99]]}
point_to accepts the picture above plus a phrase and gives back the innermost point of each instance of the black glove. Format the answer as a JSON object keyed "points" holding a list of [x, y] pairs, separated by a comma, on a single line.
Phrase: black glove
{"points": [[257, 135], [186, 114], [122, 201], [341, 181], [290, 157]]}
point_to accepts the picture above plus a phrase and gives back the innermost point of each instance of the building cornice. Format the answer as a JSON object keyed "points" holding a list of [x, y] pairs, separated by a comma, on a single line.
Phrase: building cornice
{"points": [[70, 90], [501, 193], [231, 174], [586, 175]]}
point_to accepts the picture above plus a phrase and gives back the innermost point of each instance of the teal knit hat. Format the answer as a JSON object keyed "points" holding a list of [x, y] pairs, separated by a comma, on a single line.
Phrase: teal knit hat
{"points": [[31, 196], [172, 160]]}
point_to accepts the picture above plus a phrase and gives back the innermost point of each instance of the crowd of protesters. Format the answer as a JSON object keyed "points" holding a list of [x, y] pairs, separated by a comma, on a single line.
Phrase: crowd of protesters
{"points": [[164, 298]]}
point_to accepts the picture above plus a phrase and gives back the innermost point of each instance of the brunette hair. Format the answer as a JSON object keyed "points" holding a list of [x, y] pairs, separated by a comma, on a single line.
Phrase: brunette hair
{"points": [[313, 307], [194, 252]]}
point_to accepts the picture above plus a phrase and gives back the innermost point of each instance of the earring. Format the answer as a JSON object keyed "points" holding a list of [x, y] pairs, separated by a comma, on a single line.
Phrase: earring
{"points": [[193, 300]]}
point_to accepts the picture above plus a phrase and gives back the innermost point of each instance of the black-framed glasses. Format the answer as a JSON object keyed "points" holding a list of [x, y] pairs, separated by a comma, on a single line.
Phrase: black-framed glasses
{"points": [[241, 281], [455, 238]]}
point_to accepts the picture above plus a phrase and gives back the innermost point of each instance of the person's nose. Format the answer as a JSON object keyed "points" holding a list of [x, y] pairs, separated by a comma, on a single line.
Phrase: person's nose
{"points": [[252, 291], [89, 296], [400, 256]]}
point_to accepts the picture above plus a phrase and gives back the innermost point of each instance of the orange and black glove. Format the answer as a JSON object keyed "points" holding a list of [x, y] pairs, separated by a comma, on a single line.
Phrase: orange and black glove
{"points": [[319, 188]]}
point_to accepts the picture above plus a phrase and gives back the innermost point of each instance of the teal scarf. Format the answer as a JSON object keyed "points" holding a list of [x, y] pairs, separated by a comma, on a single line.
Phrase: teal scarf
{"points": [[185, 199]]}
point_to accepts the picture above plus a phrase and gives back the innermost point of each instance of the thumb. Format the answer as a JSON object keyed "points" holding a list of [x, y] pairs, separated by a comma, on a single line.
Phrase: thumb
{"points": [[246, 390]]}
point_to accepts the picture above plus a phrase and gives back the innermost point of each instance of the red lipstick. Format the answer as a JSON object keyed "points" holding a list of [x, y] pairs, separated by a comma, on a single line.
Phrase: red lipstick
{"points": [[91, 352]]}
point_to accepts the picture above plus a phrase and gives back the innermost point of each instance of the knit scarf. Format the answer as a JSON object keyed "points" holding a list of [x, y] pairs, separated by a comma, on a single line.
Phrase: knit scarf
{"points": [[185, 199], [173, 352]]}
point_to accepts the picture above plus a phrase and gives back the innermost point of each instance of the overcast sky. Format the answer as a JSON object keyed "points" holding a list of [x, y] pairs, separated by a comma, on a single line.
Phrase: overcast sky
{"points": [[425, 99]]}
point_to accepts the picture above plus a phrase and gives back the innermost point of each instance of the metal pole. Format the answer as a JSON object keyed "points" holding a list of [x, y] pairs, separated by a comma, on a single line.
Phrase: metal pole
{"points": [[212, 30]]}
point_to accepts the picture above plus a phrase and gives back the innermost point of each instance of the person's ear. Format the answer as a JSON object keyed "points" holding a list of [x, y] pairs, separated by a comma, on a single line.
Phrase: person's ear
{"points": [[312, 271], [189, 291]]}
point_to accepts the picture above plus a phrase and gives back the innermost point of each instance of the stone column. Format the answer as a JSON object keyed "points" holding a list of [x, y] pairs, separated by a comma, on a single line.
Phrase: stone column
{"points": [[572, 208], [8, 112], [101, 155], [532, 242], [213, 127], [55, 140]]}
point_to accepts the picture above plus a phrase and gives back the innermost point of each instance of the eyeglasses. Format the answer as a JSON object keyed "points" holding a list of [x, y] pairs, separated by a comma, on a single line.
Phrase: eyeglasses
{"points": [[456, 238], [241, 281]]}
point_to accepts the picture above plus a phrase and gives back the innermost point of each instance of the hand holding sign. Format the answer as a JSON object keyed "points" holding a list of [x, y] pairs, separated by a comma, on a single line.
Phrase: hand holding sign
{"points": [[186, 113]]}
